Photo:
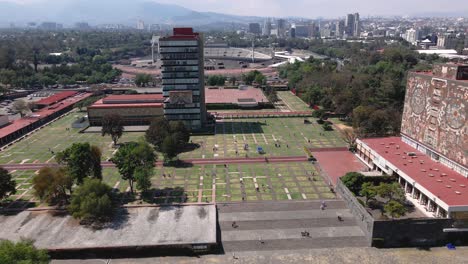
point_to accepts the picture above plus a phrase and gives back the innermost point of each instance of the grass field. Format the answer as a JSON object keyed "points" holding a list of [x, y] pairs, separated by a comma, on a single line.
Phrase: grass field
{"points": [[293, 102], [231, 135], [210, 183]]}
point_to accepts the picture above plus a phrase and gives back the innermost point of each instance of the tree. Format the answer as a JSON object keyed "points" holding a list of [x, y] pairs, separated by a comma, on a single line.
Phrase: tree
{"points": [[143, 178], [180, 132], [170, 148], [7, 184], [271, 95], [391, 191], [216, 80], [368, 191], [22, 107], [353, 181], [143, 79], [112, 125], [134, 157], [92, 201], [327, 127], [22, 252], [82, 160], [157, 131], [395, 209], [233, 80], [350, 137], [51, 184]]}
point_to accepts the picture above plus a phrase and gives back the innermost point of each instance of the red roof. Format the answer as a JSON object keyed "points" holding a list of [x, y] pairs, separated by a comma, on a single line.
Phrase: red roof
{"points": [[444, 183], [130, 101], [232, 96], [56, 98], [38, 115], [134, 98]]}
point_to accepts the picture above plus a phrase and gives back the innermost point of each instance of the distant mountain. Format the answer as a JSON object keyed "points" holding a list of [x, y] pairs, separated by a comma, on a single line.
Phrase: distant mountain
{"points": [[126, 12], [443, 14]]}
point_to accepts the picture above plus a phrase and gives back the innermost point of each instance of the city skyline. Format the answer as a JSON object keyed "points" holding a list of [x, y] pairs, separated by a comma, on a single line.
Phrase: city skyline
{"points": [[305, 8]]}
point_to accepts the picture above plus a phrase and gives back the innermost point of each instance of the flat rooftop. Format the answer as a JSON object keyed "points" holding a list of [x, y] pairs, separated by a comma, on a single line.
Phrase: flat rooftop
{"points": [[149, 226], [444, 183], [41, 114], [130, 101], [56, 98], [233, 96]]}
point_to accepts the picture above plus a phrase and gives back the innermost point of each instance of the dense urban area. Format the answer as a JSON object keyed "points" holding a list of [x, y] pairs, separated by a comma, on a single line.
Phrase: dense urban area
{"points": [[212, 138]]}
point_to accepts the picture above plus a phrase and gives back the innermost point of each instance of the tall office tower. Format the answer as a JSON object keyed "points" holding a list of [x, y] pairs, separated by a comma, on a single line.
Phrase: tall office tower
{"points": [[140, 25], [447, 40], [183, 78], [412, 36], [357, 25], [255, 28], [349, 25], [339, 28], [292, 32], [353, 25], [281, 26], [266, 31]]}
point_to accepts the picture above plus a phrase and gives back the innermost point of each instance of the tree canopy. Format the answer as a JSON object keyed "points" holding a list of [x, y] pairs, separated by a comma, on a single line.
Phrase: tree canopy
{"points": [[7, 184], [112, 124], [161, 129], [22, 252], [135, 159], [51, 184], [82, 160], [367, 84], [92, 201]]}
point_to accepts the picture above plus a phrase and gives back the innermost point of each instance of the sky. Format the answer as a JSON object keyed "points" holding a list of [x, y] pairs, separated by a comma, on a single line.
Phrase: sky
{"points": [[314, 8]]}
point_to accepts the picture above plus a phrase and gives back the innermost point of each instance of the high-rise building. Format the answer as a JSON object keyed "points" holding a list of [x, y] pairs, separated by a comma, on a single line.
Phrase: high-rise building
{"points": [[353, 25], [340, 28], [82, 26], [281, 26], [447, 40], [412, 36], [292, 32], [140, 25], [266, 31], [357, 25], [183, 77], [255, 28]]}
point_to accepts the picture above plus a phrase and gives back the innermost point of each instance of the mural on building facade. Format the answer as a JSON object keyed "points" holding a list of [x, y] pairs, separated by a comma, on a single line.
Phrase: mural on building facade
{"points": [[435, 114]]}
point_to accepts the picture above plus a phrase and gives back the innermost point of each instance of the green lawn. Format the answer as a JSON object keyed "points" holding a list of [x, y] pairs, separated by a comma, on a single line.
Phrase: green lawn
{"points": [[293, 102], [231, 135], [209, 183]]}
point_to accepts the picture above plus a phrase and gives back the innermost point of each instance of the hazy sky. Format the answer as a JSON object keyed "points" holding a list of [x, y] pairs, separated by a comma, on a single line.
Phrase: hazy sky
{"points": [[314, 8]]}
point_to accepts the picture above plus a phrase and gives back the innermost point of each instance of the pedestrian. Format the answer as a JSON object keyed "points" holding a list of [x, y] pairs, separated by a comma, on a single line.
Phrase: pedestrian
{"points": [[287, 146]]}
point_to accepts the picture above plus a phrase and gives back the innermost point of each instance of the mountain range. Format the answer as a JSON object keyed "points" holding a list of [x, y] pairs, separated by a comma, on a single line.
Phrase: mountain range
{"points": [[124, 12]]}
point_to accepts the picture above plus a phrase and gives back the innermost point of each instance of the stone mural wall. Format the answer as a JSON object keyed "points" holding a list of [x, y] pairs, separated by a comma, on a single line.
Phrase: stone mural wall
{"points": [[435, 114]]}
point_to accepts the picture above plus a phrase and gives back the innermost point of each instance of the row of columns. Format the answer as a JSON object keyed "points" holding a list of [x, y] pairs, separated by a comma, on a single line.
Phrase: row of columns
{"points": [[429, 205]]}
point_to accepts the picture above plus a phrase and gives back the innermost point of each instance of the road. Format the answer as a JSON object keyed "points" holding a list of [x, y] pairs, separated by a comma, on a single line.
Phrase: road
{"points": [[108, 164]]}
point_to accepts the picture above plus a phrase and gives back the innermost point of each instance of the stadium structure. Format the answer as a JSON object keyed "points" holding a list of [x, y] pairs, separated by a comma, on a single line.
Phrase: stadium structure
{"points": [[224, 52]]}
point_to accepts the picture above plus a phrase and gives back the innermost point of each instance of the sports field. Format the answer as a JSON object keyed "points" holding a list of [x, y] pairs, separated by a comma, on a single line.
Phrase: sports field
{"points": [[211, 183]]}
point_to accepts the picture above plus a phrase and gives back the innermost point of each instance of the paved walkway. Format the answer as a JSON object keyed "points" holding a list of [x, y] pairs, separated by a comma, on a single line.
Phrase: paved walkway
{"points": [[278, 226], [37, 166], [361, 255]]}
